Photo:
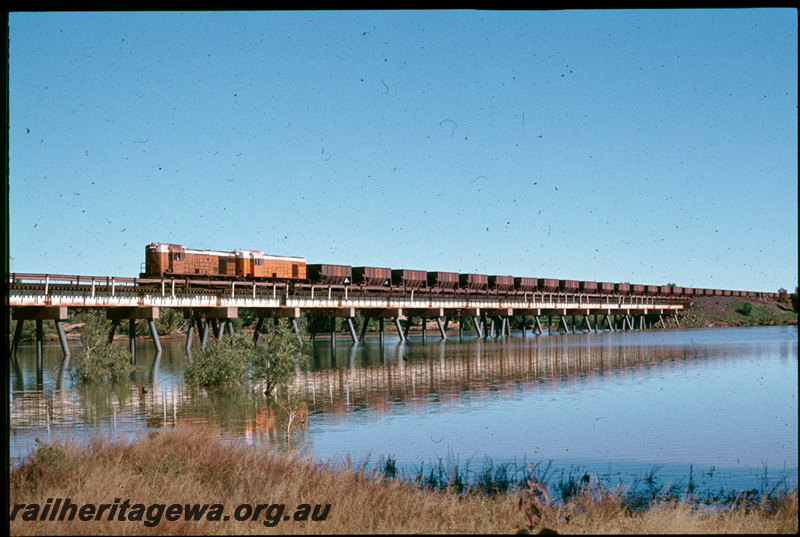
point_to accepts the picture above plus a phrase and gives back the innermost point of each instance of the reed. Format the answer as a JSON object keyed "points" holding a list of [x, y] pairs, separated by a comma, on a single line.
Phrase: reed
{"points": [[197, 466]]}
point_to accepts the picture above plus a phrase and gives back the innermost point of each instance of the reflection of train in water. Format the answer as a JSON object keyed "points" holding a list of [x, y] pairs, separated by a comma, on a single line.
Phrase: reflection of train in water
{"points": [[175, 261]]}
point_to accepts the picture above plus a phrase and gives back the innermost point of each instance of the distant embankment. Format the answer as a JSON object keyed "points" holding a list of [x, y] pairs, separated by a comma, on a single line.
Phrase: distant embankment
{"points": [[739, 311]]}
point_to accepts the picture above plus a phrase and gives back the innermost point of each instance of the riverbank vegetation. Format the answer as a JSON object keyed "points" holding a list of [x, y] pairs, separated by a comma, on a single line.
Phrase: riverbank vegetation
{"points": [[735, 311], [195, 466]]}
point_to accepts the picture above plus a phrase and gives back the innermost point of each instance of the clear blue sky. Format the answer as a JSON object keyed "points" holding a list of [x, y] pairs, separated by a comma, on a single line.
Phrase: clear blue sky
{"points": [[642, 146]]}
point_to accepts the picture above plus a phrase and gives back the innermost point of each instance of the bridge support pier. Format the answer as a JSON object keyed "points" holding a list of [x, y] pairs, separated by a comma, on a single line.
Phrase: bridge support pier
{"points": [[111, 332], [39, 313], [189, 336], [399, 329], [564, 324], [442, 327], [204, 333], [39, 351], [214, 327], [499, 330], [62, 337], [460, 327], [154, 335], [17, 336], [676, 320], [296, 329], [424, 330], [257, 331], [132, 339], [364, 329], [352, 328], [276, 314], [131, 314], [477, 325]]}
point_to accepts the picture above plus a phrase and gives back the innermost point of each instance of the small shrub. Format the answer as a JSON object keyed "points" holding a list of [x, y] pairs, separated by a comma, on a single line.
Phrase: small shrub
{"points": [[49, 456], [535, 503], [291, 410]]}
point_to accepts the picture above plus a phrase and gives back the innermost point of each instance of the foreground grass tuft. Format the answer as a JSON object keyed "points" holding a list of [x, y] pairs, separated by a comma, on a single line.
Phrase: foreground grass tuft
{"points": [[194, 466]]}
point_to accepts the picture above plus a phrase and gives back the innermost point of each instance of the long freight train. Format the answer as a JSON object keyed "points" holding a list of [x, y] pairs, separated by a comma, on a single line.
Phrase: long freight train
{"points": [[175, 261]]}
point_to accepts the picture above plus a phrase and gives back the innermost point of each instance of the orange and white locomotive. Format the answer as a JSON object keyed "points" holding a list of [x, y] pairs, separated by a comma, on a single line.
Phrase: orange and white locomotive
{"points": [[175, 260]]}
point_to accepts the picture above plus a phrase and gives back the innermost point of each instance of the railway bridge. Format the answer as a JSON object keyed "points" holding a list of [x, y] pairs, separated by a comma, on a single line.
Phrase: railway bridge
{"points": [[212, 305]]}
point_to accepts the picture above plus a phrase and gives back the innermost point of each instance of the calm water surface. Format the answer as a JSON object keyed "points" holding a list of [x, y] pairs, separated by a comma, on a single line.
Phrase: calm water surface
{"points": [[622, 405]]}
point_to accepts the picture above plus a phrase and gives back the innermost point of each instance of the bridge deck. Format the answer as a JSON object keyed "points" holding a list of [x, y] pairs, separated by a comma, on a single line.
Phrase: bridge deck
{"points": [[104, 292]]}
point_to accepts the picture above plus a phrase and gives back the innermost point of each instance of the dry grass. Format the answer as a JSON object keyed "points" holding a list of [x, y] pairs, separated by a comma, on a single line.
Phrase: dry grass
{"points": [[196, 467]]}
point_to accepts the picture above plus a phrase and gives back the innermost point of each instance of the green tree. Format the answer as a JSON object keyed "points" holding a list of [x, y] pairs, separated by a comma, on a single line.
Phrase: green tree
{"points": [[237, 360], [98, 361], [273, 360], [222, 363]]}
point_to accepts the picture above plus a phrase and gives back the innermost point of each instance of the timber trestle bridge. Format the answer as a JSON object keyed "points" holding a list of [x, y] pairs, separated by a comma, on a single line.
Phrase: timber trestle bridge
{"points": [[212, 305]]}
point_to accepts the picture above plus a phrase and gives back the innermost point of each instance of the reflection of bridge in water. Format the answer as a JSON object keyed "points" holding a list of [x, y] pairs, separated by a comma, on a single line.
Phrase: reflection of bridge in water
{"points": [[366, 377], [480, 371]]}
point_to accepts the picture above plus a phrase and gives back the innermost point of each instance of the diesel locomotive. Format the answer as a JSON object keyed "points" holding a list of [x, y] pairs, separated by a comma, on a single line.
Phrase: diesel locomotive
{"points": [[176, 261]]}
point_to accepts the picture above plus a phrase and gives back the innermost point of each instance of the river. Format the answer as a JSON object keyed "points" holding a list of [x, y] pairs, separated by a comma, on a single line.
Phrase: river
{"points": [[719, 403]]}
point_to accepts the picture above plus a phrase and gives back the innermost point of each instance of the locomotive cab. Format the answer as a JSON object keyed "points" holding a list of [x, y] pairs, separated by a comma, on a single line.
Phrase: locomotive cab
{"points": [[248, 263], [163, 259]]}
